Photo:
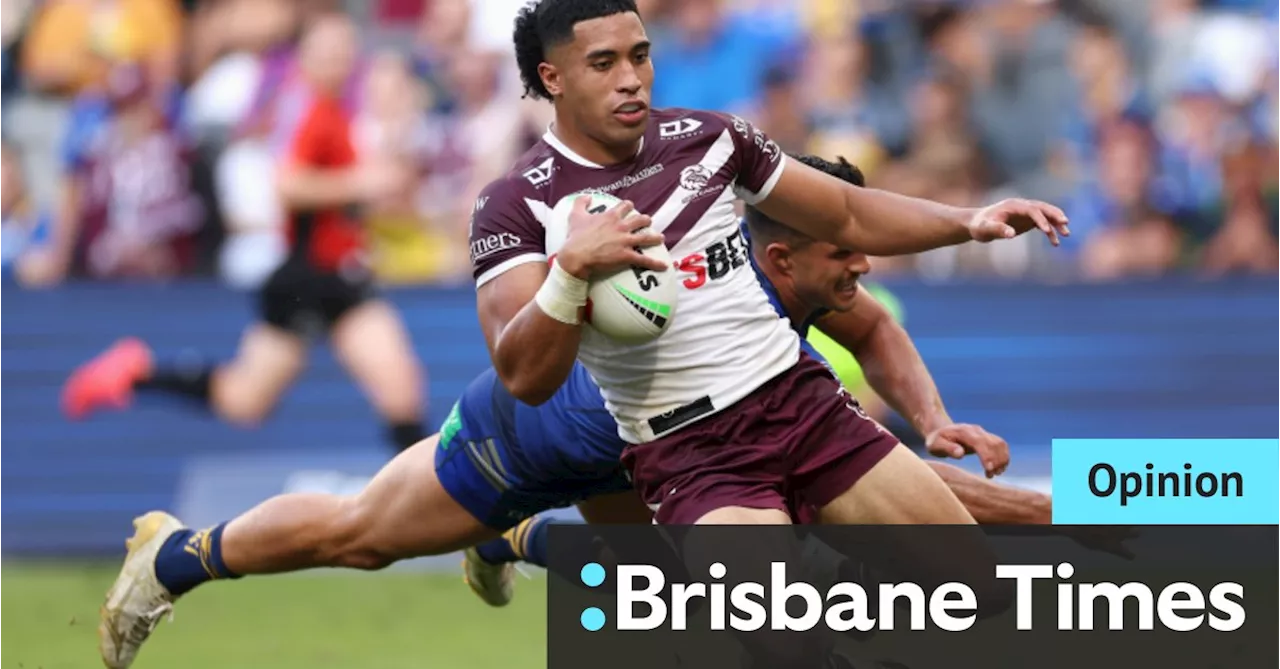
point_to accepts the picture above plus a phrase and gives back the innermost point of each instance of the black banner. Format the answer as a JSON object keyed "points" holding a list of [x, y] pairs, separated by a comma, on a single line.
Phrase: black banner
{"points": [[913, 597]]}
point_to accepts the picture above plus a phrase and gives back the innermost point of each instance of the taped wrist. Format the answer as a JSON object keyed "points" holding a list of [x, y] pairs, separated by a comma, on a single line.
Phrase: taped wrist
{"points": [[562, 295]]}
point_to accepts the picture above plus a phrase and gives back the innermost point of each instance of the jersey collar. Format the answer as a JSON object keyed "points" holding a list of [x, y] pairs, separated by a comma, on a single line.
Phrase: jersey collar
{"points": [[563, 149]]}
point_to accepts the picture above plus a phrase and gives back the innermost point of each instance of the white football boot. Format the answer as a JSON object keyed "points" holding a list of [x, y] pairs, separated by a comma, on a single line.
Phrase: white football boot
{"points": [[494, 583], [137, 601]]}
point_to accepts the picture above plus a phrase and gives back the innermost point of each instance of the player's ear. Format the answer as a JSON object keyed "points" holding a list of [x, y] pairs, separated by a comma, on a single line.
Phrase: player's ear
{"points": [[551, 79], [779, 256]]}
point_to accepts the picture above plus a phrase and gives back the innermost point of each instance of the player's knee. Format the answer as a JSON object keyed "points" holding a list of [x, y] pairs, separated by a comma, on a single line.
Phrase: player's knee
{"points": [[246, 418], [357, 540], [243, 409], [366, 558]]}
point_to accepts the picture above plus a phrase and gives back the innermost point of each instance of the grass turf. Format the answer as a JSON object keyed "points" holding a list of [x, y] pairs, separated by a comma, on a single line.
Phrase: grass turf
{"points": [[338, 620]]}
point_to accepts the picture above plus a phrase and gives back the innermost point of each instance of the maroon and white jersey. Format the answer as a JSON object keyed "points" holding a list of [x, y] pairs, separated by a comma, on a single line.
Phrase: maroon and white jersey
{"points": [[136, 194], [726, 339]]}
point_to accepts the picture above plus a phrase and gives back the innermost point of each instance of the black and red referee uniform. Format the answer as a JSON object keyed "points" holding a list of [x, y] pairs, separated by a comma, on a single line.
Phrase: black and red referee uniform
{"points": [[327, 271]]}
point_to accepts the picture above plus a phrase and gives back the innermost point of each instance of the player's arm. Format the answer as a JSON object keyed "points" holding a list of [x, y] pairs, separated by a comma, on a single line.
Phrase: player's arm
{"points": [[306, 178], [531, 313], [882, 223], [894, 369], [993, 503], [532, 351], [889, 360], [305, 187], [873, 221]]}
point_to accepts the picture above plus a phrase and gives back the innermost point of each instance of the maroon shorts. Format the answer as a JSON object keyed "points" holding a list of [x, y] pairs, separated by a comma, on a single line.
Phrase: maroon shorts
{"points": [[795, 444]]}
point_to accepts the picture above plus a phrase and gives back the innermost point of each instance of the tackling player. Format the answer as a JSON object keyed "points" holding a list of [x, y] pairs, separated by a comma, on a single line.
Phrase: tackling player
{"points": [[727, 421], [323, 288], [498, 462]]}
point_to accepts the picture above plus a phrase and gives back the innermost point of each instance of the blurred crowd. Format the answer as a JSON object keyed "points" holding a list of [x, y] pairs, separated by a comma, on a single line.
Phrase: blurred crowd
{"points": [[140, 136]]}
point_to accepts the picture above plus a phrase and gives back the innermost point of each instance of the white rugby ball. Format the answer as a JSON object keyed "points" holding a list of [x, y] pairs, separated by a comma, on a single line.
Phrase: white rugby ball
{"points": [[632, 306]]}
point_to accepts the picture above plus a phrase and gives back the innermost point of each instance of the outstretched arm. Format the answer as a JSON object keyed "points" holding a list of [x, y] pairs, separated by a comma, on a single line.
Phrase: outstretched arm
{"points": [[878, 222], [896, 372], [992, 503], [889, 360]]}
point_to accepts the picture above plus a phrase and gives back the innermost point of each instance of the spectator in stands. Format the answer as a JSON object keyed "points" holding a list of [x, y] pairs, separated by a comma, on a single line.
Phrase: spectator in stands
{"points": [[128, 208], [942, 160], [1106, 89], [232, 42], [956, 101], [848, 119], [1115, 216], [72, 43], [1020, 100], [392, 126], [67, 48], [13, 24], [24, 228], [1246, 240], [241, 48], [788, 122], [722, 57], [441, 36], [489, 131]]}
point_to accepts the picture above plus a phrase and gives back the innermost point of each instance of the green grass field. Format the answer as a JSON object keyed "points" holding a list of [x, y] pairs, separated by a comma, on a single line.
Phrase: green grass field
{"points": [[336, 620]]}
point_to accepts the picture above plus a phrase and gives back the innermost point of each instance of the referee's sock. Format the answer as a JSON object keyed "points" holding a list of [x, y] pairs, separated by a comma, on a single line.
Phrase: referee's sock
{"points": [[190, 380], [404, 434]]}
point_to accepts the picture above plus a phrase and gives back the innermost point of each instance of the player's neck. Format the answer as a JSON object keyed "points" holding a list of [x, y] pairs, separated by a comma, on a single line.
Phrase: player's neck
{"points": [[584, 146], [797, 310]]}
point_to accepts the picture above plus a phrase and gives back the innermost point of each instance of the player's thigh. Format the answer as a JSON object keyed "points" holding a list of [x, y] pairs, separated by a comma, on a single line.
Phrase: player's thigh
{"points": [[900, 489], [622, 508], [268, 361], [721, 534], [371, 342], [716, 472], [409, 512]]}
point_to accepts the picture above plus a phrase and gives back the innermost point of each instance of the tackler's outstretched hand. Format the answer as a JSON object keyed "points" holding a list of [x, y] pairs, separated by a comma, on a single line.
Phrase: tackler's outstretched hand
{"points": [[1010, 218], [958, 440], [604, 241]]}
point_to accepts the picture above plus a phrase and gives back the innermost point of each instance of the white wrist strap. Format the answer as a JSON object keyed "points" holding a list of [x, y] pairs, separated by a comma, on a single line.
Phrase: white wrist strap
{"points": [[562, 295]]}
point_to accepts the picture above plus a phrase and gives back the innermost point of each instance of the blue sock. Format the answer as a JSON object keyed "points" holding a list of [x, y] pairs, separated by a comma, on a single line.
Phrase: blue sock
{"points": [[191, 557], [526, 542]]}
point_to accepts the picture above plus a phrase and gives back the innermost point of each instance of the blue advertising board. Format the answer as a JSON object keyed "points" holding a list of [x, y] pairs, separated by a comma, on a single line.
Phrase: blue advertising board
{"points": [[1161, 359]]}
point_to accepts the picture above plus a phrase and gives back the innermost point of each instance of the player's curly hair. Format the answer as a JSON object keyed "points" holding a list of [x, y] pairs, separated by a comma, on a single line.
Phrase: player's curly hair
{"points": [[841, 169], [765, 230], [545, 23]]}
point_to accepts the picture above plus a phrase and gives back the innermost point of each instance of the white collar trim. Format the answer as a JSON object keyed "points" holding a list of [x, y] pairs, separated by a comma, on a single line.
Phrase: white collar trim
{"points": [[554, 142]]}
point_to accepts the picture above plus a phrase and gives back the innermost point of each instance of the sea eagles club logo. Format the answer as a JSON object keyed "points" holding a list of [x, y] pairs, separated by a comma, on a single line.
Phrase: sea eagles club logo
{"points": [[695, 178]]}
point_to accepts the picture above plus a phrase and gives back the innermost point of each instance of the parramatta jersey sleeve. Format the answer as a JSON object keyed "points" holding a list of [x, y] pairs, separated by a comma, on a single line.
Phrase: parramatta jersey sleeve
{"points": [[504, 231], [757, 160]]}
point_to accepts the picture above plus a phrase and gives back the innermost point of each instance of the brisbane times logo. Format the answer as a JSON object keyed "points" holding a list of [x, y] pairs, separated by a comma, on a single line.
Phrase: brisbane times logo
{"points": [[647, 601]]}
